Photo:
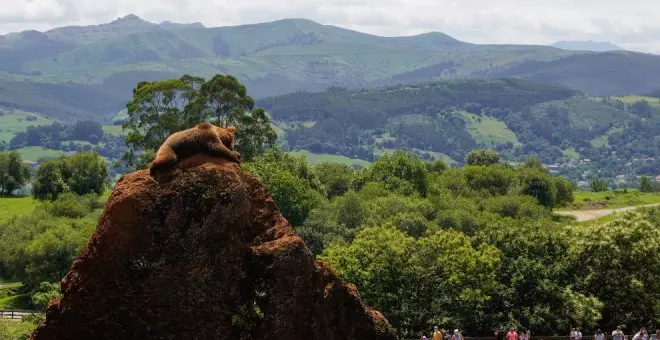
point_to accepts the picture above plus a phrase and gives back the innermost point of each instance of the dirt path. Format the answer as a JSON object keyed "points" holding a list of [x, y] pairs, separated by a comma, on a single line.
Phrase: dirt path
{"points": [[588, 215]]}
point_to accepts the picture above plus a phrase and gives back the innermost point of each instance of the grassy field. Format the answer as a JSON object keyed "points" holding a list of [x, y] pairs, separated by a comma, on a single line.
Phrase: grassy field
{"points": [[634, 98], [113, 130], [571, 153], [600, 141], [12, 121], [315, 158], [15, 330], [33, 153], [14, 206], [9, 299], [488, 130], [613, 199]]}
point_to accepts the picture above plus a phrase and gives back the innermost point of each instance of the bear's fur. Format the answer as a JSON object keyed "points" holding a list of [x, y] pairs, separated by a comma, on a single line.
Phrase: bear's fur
{"points": [[203, 138]]}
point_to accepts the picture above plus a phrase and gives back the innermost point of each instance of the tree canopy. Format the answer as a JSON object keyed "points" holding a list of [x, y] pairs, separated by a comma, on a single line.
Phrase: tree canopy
{"points": [[82, 173], [14, 174], [161, 108]]}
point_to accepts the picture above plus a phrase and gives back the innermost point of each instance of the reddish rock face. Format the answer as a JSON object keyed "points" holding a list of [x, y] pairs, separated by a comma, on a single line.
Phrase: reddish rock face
{"points": [[204, 254]]}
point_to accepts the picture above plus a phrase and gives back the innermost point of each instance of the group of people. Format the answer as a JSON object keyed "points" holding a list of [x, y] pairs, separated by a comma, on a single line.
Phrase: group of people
{"points": [[512, 334], [438, 334], [576, 334], [617, 334]]}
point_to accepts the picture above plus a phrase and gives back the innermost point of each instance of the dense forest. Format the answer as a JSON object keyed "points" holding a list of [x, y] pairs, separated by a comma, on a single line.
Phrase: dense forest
{"points": [[515, 117]]}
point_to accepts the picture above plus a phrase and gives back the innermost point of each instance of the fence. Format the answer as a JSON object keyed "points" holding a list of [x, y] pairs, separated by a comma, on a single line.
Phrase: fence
{"points": [[585, 336], [15, 315]]}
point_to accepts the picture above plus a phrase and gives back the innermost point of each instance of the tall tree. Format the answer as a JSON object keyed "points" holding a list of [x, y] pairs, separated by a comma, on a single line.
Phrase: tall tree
{"points": [[14, 174], [598, 185], [82, 173], [161, 108], [482, 157], [645, 184]]}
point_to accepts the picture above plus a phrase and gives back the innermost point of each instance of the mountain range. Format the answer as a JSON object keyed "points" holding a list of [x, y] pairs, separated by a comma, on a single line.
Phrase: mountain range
{"points": [[88, 72]]}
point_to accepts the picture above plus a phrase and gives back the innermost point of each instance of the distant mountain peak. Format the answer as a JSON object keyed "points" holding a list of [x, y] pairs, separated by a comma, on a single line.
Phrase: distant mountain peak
{"points": [[587, 45], [129, 18]]}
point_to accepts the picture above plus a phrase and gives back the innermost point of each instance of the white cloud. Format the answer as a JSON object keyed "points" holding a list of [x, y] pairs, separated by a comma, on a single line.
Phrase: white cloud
{"points": [[482, 21]]}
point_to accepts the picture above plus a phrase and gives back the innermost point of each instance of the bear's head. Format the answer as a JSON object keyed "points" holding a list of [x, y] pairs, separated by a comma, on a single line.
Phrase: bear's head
{"points": [[226, 136]]}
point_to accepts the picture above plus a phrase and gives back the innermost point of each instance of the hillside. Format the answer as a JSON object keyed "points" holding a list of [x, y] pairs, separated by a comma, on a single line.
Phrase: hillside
{"points": [[588, 45], [82, 72], [515, 117]]}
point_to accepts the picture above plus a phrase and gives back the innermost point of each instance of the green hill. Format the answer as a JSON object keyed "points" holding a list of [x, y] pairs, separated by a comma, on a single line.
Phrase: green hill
{"points": [[516, 117], [84, 72]]}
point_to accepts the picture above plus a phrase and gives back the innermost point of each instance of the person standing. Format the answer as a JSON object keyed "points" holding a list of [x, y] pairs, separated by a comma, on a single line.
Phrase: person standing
{"points": [[437, 333], [524, 335], [512, 335], [641, 334], [457, 335], [617, 334], [574, 333], [599, 335]]}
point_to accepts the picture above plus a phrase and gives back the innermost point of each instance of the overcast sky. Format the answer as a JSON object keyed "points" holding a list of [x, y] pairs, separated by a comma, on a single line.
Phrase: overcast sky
{"points": [[633, 24]]}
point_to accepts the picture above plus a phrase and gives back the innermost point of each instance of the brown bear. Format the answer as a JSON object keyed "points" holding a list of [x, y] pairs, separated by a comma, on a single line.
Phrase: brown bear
{"points": [[203, 138]]}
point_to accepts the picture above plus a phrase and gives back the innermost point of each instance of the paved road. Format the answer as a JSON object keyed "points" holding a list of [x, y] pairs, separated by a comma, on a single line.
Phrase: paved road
{"points": [[588, 215]]}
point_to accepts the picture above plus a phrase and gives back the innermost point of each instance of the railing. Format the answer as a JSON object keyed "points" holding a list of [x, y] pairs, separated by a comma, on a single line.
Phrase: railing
{"points": [[585, 336], [16, 315]]}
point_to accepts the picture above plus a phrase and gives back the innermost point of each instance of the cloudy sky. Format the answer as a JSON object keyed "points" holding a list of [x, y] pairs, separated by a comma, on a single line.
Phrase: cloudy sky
{"points": [[633, 24]]}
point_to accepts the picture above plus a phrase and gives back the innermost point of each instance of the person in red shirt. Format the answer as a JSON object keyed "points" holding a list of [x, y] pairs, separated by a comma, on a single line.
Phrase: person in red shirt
{"points": [[512, 335]]}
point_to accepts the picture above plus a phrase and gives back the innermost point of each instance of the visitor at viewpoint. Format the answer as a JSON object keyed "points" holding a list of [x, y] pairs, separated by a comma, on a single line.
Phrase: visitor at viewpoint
{"points": [[512, 335]]}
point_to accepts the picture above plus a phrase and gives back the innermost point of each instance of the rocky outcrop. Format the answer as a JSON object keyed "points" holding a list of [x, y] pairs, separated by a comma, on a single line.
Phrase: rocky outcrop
{"points": [[204, 254]]}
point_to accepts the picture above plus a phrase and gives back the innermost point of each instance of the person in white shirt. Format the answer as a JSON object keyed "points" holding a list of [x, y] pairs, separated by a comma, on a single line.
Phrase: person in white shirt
{"points": [[617, 334], [641, 335]]}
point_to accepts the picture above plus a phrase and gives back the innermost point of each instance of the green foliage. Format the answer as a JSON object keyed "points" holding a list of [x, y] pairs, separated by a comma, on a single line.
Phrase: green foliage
{"points": [[615, 198], [517, 207], [12, 330], [40, 247], [161, 108], [482, 158], [351, 210], [45, 293], [533, 162], [467, 248], [598, 185], [541, 186], [399, 171], [82, 173], [441, 278], [565, 190], [438, 166], [13, 173], [494, 180], [291, 180], [49, 181], [534, 274], [336, 178], [645, 184], [618, 264], [15, 206]]}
